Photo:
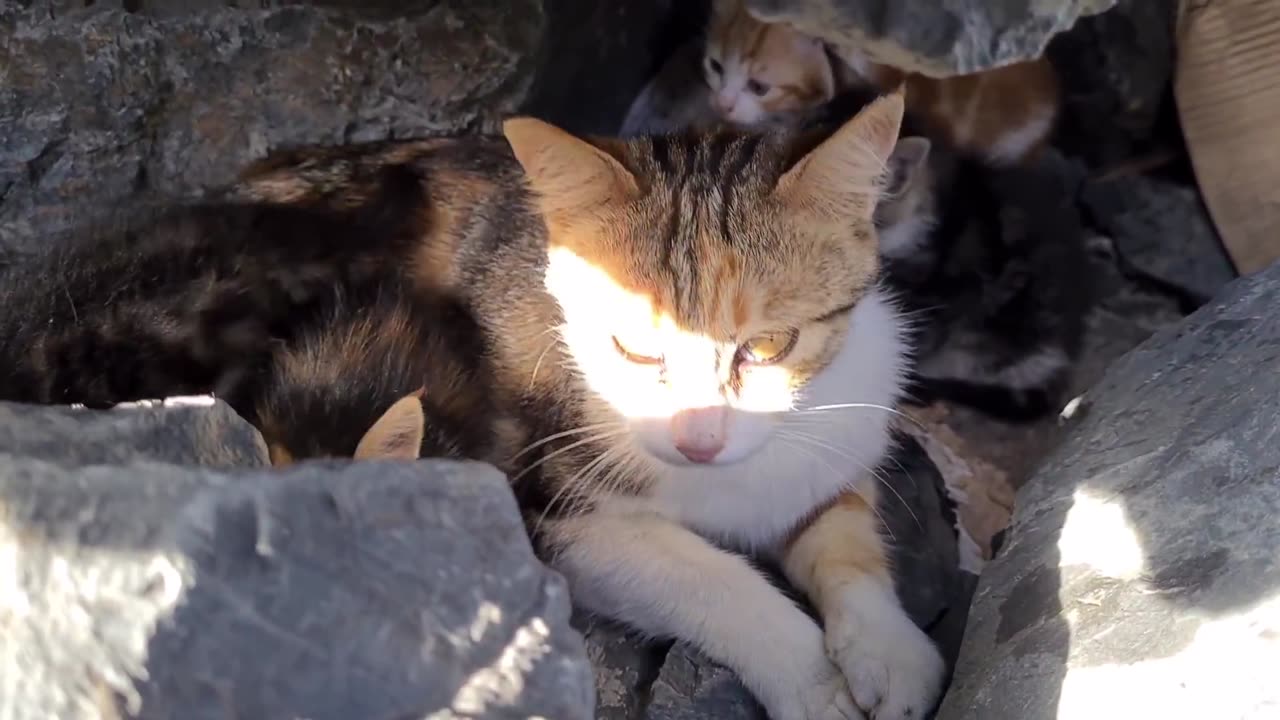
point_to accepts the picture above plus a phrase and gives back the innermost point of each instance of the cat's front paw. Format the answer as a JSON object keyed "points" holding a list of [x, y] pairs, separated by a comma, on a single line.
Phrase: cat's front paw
{"points": [[825, 696], [892, 668], [799, 682]]}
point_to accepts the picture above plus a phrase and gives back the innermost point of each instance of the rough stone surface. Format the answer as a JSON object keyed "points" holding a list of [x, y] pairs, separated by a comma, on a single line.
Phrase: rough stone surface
{"points": [[102, 108], [1162, 230], [370, 590], [659, 681], [1141, 577], [934, 38], [196, 432]]}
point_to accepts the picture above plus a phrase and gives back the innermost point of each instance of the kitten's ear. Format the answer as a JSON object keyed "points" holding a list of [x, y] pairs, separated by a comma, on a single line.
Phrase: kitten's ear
{"points": [[841, 177], [397, 435], [568, 173], [906, 164]]}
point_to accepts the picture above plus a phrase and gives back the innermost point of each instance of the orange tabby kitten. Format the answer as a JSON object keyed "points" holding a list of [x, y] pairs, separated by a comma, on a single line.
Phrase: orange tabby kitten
{"points": [[769, 74], [762, 74], [1005, 114]]}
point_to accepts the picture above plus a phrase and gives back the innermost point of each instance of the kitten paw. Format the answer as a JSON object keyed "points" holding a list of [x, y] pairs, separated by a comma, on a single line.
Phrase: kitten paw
{"points": [[893, 669]]}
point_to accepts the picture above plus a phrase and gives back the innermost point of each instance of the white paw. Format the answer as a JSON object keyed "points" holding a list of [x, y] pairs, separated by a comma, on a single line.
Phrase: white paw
{"points": [[803, 684], [892, 668]]}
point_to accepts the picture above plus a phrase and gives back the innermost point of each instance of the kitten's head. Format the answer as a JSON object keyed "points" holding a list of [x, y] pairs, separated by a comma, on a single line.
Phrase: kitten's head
{"points": [[906, 213], [761, 73], [707, 281]]}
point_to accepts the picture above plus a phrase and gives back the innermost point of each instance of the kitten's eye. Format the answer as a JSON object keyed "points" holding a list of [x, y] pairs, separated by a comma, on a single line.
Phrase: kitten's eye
{"points": [[757, 88], [635, 357], [769, 348], [715, 66]]}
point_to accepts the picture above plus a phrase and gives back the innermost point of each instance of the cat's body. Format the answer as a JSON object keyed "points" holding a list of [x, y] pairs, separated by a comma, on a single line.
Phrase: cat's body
{"points": [[692, 329], [991, 264], [766, 74], [387, 375]]}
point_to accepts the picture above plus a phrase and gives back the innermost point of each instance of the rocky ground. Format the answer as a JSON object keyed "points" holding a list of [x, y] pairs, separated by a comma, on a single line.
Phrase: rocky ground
{"points": [[148, 558]]}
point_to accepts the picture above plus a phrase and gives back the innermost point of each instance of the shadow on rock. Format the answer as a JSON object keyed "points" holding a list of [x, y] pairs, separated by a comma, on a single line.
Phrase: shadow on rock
{"points": [[1141, 577]]}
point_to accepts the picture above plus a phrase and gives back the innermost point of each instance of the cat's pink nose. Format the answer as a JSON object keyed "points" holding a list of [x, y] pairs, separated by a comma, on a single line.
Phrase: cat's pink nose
{"points": [[724, 103], [699, 434]]}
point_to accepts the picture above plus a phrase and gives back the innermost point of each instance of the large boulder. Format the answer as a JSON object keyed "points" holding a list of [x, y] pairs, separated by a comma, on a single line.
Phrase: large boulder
{"points": [[136, 587], [934, 38], [1141, 577], [105, 106]]}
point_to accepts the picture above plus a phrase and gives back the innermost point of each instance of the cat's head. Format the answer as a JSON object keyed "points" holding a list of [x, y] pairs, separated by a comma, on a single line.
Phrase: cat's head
{"points": [[708, 282], [762, 73]]}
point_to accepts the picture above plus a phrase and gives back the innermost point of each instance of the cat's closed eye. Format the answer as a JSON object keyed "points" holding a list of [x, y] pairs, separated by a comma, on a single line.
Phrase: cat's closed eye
{"points": [[769, 348], [758, 88], [646, 357], [714, 66]]}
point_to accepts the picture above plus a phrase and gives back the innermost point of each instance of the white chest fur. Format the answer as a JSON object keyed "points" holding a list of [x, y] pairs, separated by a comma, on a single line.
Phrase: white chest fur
{"points": [[814, 454]]}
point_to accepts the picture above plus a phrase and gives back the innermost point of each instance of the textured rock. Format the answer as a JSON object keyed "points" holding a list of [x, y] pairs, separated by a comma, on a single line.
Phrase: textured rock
{"points": [[930, 37], [658, 681], [195, 431], [101, 108], [338, 590], [1141, 577], [1162, 230]]}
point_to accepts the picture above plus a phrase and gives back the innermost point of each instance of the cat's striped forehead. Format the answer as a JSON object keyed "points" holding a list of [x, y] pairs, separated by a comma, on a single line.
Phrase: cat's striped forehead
{"points": [[715, 248]]}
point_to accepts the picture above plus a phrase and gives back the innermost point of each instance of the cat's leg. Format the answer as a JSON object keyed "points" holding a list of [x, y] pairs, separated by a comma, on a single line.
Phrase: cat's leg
{"points": [[840, 561], [665, 581]]}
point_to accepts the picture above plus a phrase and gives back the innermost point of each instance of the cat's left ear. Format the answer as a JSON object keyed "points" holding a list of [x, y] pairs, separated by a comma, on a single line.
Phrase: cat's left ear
{"points": [[567, 173], [841, 179], [397, 435]]}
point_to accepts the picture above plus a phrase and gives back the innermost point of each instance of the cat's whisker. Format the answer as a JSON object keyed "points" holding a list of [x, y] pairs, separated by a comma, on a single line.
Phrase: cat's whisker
{"points": [[851, 488], [533, 377], [571, 484], [860, 406], [565, 449], [572, 431], [818, 442]]}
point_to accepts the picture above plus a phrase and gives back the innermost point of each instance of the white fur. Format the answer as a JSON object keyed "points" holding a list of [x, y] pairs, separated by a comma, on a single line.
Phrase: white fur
{"points": [[889, 663], [751, 504], [663, 580], [1029, 372], [651, 561], [1013, 145], [901, 240]]}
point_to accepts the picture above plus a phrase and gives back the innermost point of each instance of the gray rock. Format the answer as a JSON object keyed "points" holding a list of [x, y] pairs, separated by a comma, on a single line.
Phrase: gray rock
{"points": [[102, 108], [200, 432], [1141, 576], [339, 590], [1163, 230], [934, 38], [691, 687]]}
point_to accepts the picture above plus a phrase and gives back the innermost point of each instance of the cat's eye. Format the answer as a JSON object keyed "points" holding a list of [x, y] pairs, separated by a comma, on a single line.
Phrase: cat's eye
{"points": [[715, 66], [757, 88], [638, 358], [768, 348]]}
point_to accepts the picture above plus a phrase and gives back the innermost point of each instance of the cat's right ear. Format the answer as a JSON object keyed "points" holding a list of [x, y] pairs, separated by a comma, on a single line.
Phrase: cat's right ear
{"points": [[568, 174], [397, 435], [906, 164], [842, 178]]}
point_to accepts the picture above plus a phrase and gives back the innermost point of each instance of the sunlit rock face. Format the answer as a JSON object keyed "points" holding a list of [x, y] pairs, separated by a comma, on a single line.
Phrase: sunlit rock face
{"points": [[151, 567], [1141, 577]]}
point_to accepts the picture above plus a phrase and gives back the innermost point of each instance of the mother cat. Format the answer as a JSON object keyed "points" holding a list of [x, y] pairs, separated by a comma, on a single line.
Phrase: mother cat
{"points": [[690, 328]]}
